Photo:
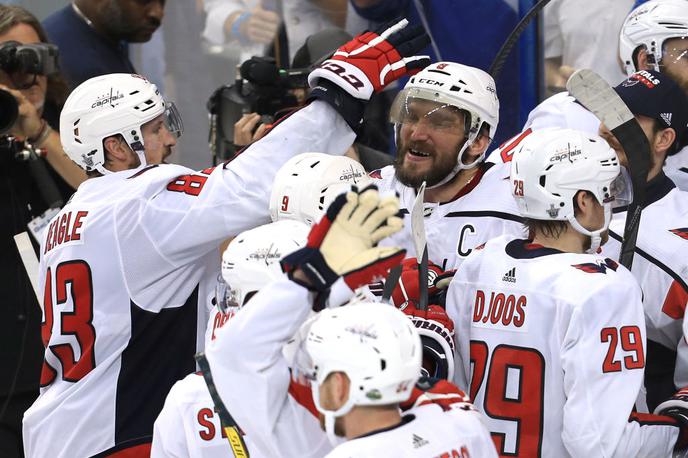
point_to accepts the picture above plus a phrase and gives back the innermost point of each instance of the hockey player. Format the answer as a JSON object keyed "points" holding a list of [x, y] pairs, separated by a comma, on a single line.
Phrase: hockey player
{"points": [[653, 37], [660, 264], [551, 339], [188, 425], [134, 243], [363, 360], [444, 120]]}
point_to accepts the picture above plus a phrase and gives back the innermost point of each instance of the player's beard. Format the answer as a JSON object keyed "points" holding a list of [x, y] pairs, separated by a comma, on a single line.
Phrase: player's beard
{"points": [[442, 165]]}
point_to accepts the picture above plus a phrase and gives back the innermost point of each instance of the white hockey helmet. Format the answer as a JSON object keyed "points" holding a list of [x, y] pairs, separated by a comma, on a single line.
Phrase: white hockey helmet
{"points": [[450, 84], [252, 260], [308, 183], [107, 105], [374, 344], [650, 25], [551, 165]]}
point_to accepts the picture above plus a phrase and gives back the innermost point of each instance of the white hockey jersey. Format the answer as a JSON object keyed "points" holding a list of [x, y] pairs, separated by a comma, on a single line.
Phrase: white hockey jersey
{"points": [[552, 348], [660, 265], [562, 110], [121, 266], [279, 415], [430, 431], [484, 209], [189, 427], [255, 382]]}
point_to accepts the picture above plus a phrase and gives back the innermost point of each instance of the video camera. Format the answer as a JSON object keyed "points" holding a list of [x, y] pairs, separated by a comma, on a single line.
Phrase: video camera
{"points": [[262, 88], [33, 59]]}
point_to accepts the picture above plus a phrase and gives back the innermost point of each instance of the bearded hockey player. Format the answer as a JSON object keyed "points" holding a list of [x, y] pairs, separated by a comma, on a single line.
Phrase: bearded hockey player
{"points": [[135, 242]]}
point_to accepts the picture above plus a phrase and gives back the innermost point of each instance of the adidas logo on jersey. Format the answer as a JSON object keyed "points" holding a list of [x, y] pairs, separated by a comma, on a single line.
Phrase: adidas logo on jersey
{"points": [[418, 441], [666, 117], [510, 276]]}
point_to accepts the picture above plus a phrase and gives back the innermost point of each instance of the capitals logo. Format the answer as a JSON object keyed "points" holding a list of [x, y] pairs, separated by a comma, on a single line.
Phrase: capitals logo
{"points": [[681, 232], [599, 267]]}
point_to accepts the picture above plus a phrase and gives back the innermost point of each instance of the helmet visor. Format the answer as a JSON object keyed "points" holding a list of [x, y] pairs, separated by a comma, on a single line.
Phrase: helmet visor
{"points": [[621, 189], [675, 51], [227, 298], [173, 120], [416, 105]]}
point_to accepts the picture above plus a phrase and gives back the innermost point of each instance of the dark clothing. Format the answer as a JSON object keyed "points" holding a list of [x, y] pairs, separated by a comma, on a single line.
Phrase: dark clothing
{"points": [[21, 348], [83, 52]]}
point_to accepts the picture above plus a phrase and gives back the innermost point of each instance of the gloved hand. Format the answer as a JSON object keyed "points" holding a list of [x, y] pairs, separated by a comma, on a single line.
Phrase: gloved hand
{"points": [[367, 64], [344, 242], [430, 390], [676, 407], [436, 331], [407, 291]]}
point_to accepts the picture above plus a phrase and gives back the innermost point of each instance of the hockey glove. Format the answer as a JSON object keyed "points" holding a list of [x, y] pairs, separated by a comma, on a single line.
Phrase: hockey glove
{"points": [[408, 290], [436, 331], [676, 407], [344, 242], [435, 391], [367, 64]]}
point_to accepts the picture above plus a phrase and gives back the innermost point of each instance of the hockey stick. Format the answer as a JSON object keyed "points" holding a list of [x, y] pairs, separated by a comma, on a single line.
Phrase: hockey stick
{"points": [[236, 441], [421, 245], [591, 90], [30, 261], [510, 42], [391, 283]]}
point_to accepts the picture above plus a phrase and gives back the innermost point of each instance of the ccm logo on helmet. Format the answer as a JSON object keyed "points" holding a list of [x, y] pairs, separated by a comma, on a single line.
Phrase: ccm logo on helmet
{"points": [[430, 82]]}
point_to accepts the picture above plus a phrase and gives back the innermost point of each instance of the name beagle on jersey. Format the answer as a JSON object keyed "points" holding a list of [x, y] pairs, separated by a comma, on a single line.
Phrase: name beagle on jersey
{"points": [[504, 311], [66, 228]]}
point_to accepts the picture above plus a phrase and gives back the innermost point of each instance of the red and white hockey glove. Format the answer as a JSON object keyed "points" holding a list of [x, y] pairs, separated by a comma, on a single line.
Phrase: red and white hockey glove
{"points": [[407, 289], [435, 391], [436, 331], [344, 242], [367, 64], [372, 60]]}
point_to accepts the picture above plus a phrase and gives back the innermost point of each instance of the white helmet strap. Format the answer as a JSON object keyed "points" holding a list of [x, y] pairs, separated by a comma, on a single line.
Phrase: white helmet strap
{"points": [[595, 236], [459, 161], [331, 415]]}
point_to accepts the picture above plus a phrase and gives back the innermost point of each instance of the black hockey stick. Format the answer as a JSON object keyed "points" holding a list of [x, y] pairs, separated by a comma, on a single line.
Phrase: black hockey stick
{"points": [[230, 427], [391, 283], [510, 42], [595, 94]]}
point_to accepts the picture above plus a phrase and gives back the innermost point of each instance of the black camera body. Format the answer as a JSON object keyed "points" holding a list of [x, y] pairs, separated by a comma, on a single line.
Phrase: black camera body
{"points": [[262, 88], [35, 58]]}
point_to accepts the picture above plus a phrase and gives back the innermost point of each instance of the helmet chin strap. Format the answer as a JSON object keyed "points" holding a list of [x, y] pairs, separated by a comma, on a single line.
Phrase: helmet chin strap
{"points": [[595, 236], [331, 415], [459, 163]]}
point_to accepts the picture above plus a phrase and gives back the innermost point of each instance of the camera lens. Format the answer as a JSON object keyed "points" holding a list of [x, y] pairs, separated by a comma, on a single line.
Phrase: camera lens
{"points": [[9, 110]]}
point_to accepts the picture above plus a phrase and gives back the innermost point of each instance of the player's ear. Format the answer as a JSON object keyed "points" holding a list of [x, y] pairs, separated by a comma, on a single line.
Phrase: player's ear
{"points": [[341, 388], [643, 60], [663, 141], [116, 149], [481, 143]]}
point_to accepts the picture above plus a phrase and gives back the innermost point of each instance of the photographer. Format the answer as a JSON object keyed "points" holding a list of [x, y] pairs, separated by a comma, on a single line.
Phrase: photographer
{"points": [[36, 99]]}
